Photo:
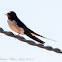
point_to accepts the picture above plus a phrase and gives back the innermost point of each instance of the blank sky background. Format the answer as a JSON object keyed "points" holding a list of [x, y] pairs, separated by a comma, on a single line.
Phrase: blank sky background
{"points": [[42, 16]]}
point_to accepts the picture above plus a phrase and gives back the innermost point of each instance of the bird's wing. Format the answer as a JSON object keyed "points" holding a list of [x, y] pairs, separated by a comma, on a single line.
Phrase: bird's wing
{"points": [[34, 33], [32, 37], [21, 24]]}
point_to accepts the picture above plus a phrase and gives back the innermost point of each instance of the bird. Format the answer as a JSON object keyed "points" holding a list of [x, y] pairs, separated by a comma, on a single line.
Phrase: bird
{"points": [[18, 26]]}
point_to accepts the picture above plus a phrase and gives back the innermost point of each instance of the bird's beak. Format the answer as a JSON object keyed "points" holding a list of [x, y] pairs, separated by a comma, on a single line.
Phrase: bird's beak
{"points": [[6, 14]]}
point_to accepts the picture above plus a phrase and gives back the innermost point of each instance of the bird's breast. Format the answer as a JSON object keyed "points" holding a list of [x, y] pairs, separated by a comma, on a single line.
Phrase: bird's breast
{"points": [[13, 25]]}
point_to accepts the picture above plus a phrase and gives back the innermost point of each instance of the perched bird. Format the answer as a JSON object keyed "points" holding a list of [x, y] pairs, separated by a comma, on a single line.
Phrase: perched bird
{"points": [[18, 26]]}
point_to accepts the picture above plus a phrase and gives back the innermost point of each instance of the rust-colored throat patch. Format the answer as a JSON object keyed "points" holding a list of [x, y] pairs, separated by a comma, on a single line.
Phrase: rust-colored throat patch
{"points": [[8, 16]]}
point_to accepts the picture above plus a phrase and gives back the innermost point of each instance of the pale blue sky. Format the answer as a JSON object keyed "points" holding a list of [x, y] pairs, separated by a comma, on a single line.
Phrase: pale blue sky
{"points": [[43, 17]]}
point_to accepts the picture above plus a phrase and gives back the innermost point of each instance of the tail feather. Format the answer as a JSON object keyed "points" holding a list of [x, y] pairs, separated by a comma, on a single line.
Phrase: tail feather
{"points": [[35, 34], [39, 40], [33, 37], [46, 38]]}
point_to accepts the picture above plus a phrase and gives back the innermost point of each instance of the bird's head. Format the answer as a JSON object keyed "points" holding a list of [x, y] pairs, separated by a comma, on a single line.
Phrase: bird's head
{"points": [[11, 14]]}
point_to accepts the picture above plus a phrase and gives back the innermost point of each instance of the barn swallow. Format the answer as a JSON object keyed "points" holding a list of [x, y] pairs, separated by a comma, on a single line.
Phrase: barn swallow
{"points": [[18, 26]]}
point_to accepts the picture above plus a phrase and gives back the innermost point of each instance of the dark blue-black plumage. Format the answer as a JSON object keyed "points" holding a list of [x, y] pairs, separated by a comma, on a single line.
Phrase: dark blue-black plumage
{"points": [[12, 16]]}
